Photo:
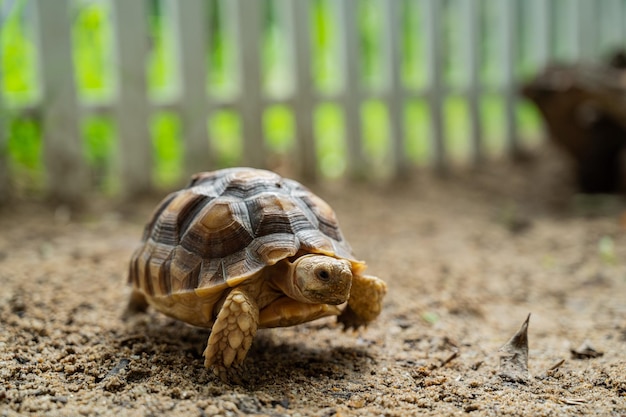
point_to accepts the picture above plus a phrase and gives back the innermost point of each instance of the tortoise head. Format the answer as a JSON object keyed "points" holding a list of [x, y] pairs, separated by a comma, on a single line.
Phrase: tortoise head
{"points": [[318, 279]]}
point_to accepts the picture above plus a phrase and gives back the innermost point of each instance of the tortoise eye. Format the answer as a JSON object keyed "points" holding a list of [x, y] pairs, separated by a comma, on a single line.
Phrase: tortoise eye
{"points": [[323, 275]]}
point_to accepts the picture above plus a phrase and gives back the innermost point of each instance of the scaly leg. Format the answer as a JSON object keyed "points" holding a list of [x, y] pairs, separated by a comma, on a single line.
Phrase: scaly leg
{"points": [[136, 304], [232, 333], [365, 302], [288, 312]]}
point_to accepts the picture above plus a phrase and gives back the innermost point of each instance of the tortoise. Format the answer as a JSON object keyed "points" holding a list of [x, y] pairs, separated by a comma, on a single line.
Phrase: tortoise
{"points": [[240, 249]]}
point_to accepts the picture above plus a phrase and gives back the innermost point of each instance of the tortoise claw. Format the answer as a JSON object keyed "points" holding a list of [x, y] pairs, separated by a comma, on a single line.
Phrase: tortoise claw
{"points": [[365, 303], [350, 320], [232, 375]]}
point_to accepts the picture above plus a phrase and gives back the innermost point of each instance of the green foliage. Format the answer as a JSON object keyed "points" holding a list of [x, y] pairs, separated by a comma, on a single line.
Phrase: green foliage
{"points": [[331, 147], [25, 149], [417, 124], [327, 77], [492, 112], [455, 68], [168, 150], [99, 148], [457, 123], [376, 135], [25, 144], [92, 36], [277, 77], [161, 64], [279, 126], [370, 29], [222, 81], [225, 131], [412, 46], [530, 123], [18, 57]]}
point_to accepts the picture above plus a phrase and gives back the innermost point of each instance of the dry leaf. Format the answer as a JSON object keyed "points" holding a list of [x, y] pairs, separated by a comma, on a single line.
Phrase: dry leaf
{"points": [[573, 401], [585, 351], [514, 356]]}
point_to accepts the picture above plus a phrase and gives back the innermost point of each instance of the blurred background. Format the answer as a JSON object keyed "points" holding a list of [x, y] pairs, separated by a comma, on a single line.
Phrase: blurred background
{"points": [[126, 96]]}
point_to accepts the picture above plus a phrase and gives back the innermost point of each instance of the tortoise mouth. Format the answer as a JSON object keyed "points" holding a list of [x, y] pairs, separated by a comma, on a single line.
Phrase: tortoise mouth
{"points": [[326, 298]]}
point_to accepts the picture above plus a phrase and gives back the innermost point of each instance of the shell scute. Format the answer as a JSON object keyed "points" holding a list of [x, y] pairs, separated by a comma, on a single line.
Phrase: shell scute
{"points": [[269, 249], [174, 217], [324, 215], [184, 269], [219, 230], [274, 214]]}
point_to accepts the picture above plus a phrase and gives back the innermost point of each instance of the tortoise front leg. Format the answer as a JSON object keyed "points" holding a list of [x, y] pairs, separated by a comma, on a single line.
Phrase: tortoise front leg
{"points": [[365, 302], [232, 333]]}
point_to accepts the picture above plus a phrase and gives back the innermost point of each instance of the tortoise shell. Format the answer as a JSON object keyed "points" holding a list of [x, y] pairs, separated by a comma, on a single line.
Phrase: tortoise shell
{"points": [[226, 226]]}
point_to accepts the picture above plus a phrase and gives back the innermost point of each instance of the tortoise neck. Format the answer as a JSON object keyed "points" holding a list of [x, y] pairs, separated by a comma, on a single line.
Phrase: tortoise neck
{"points": [[281, 278]]}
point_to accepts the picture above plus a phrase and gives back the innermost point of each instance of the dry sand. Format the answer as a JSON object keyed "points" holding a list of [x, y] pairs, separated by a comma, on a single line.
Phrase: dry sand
{"points": [[466, 260]]}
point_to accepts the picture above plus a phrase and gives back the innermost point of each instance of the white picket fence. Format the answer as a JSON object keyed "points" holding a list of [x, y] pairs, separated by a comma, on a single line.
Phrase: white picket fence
{"points": [[581, 28]]}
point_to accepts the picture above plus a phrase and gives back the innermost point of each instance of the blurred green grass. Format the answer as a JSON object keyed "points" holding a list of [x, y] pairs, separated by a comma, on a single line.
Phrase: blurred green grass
{"points": [[92, 33]]}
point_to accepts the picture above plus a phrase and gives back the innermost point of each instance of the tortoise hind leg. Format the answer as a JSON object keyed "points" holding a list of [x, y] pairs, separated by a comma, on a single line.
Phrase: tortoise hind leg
{"points": [[286, 312], [137, 303], [365, 302], [232, 333]]}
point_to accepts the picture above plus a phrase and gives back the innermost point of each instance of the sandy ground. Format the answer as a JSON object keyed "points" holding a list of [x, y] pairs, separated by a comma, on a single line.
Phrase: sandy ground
{"points": [[466, 260]]}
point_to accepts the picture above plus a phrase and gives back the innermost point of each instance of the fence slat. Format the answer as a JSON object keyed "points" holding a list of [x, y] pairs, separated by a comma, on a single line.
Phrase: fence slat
{"points": [[432, 25], [299, 27], [4, 151], [131, 111], [570, 25], [570, 14], [540, 33], [346, 13], [63, 157], [609, 34], [588, 30], [192, 38], [509, 64], [250, 103], [620, 30], [395, 97], [472, 13]]}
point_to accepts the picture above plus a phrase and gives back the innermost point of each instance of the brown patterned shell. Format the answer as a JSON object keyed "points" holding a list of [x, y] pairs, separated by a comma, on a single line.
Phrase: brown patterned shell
{"points": [[226, 226]]}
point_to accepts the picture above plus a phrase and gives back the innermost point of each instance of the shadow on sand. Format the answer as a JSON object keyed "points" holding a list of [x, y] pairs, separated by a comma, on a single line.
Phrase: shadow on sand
{"points": [[272, 359]]}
